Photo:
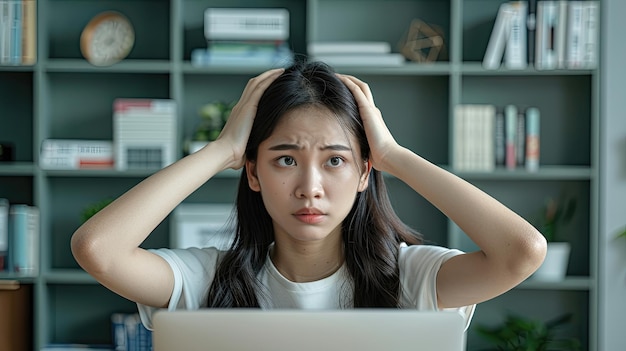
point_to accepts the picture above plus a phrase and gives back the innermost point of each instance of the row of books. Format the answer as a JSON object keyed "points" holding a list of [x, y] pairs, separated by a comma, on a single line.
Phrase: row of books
{"points": [[144, 138], [245, 37], [129, 334], [354, 53], [19, 238], [486, 138], [550, 34], [18, 32]]}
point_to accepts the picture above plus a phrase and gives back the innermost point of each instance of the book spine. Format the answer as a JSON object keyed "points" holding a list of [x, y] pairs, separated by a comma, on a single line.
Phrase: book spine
{"points": [[515, 52], [532, 139], [351, 47], [574, 34], [29, 32], [499, 139], [510, 123], [5, 31], [118, 330], [520, 139], [132, 332], [16, 33], [497, 40], [560, 34], [18, 237], [246, 24], [546, 29], [488, 153], [590, 33], [531, 25], [4, 232]]}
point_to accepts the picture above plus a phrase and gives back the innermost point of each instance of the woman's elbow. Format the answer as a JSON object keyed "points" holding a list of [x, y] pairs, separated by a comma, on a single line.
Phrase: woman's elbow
{"points": [[531, 253], [86, 252]]}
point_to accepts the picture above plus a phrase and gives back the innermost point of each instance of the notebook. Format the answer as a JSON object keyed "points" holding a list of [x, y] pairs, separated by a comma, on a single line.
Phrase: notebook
{"points": [[308, 330]]}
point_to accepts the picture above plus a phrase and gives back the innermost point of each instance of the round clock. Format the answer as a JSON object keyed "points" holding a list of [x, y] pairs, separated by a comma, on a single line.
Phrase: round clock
{"points": [[107, 39]]}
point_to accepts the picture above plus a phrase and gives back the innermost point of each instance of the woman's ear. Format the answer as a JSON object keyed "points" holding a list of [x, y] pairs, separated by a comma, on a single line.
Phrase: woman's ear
{"points": [[365, 176], [253, 181]]}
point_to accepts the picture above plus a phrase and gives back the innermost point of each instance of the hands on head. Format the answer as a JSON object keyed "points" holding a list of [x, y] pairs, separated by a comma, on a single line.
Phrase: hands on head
{"points": [[238, 127]]}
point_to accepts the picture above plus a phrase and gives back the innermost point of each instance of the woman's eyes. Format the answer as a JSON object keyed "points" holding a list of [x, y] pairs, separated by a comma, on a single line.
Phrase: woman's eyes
{"points": [[335, 161], [288, 161]]}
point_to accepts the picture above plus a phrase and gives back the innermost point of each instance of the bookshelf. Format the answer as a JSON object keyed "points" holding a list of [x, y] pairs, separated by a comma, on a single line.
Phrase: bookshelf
{"points": [[63, 96]]}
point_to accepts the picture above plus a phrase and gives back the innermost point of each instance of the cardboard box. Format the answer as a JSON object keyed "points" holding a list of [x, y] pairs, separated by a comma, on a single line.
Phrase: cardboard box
{"points": [[16, 326]]}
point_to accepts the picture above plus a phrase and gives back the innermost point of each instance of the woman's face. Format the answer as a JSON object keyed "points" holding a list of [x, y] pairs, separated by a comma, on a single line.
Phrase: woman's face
{"points": [[308, 174]]}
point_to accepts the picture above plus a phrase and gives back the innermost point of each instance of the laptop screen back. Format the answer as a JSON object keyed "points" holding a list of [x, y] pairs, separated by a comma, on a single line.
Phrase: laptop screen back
{"points": [[308, 330]]}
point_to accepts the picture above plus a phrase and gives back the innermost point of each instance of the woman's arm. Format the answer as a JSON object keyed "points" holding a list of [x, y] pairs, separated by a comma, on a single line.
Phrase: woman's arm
{"points": [[510, 248], [107, 245]]}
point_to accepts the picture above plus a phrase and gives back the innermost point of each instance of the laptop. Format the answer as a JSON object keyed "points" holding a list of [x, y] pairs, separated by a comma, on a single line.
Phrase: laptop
{"points": [[308, 330]]}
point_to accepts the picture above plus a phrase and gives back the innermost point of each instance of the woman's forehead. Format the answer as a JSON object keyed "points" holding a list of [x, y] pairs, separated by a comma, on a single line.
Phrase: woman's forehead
{"points": [[311, 124]]}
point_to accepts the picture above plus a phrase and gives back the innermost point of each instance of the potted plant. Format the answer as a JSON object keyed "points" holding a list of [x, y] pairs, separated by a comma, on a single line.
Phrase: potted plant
{"points": [[554, 214], [213, 116], [93, 208], [518, 333]]}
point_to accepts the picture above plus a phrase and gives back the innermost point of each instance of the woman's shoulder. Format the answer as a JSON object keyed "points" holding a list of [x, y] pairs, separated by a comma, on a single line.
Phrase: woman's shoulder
{"points": [[421, 254], [192, 257]]}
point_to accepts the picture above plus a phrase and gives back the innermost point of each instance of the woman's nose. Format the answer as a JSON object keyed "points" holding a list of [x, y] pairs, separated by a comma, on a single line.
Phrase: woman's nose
{"points": [[310, 183]]}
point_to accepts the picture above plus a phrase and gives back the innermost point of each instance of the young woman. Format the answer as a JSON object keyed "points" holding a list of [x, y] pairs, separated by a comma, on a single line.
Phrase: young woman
{"points": [[315, 227]]}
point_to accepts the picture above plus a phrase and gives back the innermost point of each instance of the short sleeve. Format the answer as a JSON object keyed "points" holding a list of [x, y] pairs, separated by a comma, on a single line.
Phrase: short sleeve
{"points": [[194, 270], [419, 265]]}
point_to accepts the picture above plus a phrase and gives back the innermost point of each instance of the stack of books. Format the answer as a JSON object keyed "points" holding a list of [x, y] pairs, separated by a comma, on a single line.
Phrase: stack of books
{"points": [[245, 37], [144, 133], [19, 238], [18, 32], [67, 154], [486, 138], [354, 53], [550, 34]]}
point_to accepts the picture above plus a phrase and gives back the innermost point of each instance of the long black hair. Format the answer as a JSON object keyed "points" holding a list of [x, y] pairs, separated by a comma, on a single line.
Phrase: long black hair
{"points": [[372, 232]]}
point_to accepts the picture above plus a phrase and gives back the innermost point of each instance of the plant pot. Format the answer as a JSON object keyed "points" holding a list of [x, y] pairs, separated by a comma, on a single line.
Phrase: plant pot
{"points": [[554, 267]]}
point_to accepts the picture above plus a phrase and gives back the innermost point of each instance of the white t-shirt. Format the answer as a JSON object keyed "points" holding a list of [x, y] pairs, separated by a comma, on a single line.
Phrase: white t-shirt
{"points": [[194, 270]]}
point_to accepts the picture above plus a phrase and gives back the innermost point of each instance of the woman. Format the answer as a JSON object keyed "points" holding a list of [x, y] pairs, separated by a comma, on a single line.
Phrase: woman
{"points": [[315, 228]]}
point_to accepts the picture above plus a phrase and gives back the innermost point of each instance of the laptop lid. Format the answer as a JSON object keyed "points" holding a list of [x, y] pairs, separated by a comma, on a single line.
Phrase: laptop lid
{"points": [[308, 330]]}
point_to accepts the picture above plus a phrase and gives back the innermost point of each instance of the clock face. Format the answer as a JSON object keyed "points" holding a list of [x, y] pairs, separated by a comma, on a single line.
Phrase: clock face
{"points": [[107, 39]]}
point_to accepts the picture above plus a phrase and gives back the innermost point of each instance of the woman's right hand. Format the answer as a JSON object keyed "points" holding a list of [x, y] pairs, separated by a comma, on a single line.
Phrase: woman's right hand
{"points": [[236, 131]]}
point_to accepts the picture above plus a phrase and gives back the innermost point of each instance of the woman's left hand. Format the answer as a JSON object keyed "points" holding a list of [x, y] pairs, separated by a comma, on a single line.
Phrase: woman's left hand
{"points": [[380, 139]]}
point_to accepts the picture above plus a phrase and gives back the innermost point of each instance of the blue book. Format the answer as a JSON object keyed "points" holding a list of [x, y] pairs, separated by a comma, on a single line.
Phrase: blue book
{"points": [[16, 33], [18, 226]]}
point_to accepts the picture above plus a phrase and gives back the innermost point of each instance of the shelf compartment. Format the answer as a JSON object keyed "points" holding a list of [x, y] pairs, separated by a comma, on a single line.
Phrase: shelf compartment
{"points": [[527, 198], [478, 19], [81, 313], [328, 20], [193, 21], [17, 189], [564, 105], [66, 19], [64, 220], [546, 305], [16, 99], [86, 111]]}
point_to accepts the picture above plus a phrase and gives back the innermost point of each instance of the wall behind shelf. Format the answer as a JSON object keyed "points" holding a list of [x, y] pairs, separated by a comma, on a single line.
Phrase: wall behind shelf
{"points": [[612, 253]]}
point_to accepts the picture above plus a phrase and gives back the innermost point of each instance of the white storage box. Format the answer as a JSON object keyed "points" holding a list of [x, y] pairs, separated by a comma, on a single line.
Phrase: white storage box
{"points": [[202, 225]]}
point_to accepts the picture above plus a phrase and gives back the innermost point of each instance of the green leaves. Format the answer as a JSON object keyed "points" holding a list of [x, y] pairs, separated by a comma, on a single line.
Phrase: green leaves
{"points": [[525, 334], [213, 116]]}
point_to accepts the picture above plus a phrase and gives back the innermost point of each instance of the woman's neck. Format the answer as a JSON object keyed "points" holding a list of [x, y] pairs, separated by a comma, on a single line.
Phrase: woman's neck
{"points": [[302, 262]]}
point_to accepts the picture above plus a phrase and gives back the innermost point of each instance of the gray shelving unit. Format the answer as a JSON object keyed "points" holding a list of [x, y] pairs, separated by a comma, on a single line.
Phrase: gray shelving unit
{"points": [[63, 96]]}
